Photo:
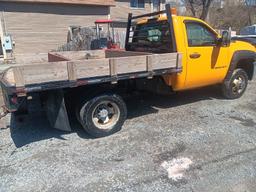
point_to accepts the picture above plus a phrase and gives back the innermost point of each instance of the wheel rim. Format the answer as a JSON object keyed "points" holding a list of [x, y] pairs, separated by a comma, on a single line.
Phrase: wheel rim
{"points": [[105, 115], [238, 85]]}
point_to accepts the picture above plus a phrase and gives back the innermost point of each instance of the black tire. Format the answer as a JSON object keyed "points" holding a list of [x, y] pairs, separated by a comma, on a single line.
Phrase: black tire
{"points": [[233, 90], [98, 128]]}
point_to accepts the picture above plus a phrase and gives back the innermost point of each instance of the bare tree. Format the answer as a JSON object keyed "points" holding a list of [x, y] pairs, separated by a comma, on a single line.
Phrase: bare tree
{"points": [[198, 8], [250, 11], [233, 15]]}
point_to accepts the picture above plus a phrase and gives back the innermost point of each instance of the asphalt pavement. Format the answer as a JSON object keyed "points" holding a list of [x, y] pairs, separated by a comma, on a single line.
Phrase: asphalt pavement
{"points": [[194, 141]]}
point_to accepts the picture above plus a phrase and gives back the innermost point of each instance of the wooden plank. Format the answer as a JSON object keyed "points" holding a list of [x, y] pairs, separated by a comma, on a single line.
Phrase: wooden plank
{"points": [[18, 77], [81, 55], [113, 71], [118, 53], [54, 57], [149, 66], [72, 76], [162, 61], [92, 68], [131, 64], [68, 55], [112, 67], [42, 73], [8, 76]]}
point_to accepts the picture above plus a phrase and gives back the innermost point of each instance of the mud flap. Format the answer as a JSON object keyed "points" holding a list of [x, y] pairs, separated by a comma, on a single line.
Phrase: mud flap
{"points": [[56, 111]]}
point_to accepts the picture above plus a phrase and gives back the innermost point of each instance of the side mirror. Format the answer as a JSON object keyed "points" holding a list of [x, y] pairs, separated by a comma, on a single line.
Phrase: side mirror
{"points": [[226, 38]]}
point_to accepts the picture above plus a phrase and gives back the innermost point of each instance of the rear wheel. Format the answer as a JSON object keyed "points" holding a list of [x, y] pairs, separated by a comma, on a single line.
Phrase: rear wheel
{"points": [[236, 86], [103, 115]]}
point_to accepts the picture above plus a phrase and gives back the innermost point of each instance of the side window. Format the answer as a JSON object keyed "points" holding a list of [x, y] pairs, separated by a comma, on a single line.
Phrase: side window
{"points": [[199, 35], [137, 3]]}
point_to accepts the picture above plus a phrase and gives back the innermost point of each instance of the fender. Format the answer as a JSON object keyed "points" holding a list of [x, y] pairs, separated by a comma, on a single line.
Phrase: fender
{"points": [[238, 56]]}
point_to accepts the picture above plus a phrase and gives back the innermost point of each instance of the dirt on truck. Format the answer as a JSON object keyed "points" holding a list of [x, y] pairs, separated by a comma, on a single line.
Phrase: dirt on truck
{"points": [[164, 53]]}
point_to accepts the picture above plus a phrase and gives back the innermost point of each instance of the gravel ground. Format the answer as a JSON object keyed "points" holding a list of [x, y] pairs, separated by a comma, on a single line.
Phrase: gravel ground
{"points": [[192, 141]]}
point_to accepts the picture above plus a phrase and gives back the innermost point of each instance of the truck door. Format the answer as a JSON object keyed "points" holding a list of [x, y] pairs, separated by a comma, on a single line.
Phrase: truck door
{"points": [[205, 59]]}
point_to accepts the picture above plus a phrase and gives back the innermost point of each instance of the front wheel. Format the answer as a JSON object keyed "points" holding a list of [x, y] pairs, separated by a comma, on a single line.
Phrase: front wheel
{"points": [[103, 115], [235, 87]]}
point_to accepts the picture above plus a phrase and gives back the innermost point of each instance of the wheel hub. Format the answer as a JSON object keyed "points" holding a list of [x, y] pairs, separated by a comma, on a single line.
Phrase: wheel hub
{"points": [[105, 115], [238, 85]]}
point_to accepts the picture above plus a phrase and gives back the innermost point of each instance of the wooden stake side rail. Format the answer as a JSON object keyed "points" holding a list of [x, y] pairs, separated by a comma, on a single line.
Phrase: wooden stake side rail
{"points": [[73, 73]]}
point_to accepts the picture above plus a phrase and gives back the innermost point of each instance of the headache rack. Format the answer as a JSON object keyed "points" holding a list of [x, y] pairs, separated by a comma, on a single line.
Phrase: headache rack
{"points": [[132, 23]]}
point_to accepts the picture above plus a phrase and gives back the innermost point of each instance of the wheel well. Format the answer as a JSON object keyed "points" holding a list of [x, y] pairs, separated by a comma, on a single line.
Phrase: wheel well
{"points": [[247, 66]]}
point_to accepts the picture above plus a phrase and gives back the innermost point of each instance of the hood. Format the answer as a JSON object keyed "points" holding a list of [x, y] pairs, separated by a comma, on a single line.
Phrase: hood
{"points": [[248, 39]]}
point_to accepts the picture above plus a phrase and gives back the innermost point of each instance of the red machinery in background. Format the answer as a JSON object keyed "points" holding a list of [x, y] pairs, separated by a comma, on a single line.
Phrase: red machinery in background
{"points": [[101, 36], [105, 40]]}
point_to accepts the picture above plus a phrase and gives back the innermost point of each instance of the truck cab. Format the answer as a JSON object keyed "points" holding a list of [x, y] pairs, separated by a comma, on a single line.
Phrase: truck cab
{"points": [[208, 57]]}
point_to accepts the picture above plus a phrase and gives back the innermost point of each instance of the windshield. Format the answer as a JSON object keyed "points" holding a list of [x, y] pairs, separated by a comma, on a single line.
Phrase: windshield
{"points": [[153, 36]]}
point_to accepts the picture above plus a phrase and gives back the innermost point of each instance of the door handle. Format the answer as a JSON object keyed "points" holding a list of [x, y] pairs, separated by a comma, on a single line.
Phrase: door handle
{"points": [[195, 55]]}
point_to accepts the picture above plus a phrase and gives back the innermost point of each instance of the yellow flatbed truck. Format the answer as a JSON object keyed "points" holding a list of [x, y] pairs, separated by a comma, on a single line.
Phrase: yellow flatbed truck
{"points": [[164, 52]]}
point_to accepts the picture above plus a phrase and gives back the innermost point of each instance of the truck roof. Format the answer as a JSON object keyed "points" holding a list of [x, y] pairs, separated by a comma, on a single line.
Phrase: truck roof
{"points": [[164, 17]]}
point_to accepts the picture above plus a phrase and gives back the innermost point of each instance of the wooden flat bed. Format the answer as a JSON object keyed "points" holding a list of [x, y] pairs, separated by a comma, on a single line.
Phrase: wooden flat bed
{"points": [[72, 69]]}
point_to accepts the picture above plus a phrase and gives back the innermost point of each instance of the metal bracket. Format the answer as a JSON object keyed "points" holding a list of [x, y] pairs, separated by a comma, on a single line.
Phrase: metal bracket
{"points": [[6, 40]]}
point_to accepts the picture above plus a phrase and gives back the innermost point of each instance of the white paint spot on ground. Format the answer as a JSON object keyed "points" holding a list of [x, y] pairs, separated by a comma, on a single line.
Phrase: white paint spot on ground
{"points": [[176, 167]]}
